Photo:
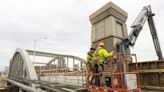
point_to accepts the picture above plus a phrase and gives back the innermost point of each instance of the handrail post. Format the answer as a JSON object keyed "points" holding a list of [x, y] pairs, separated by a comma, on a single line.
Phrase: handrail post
{"points": [[65, 74], [78, 74]]}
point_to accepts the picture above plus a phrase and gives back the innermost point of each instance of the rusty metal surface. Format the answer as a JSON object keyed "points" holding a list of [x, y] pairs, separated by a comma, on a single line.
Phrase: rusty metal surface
{"points": [[151, 74]]}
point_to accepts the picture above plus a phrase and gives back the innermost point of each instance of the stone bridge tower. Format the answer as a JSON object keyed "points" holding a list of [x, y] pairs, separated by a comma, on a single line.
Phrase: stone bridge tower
{"points": [[108, 26]]}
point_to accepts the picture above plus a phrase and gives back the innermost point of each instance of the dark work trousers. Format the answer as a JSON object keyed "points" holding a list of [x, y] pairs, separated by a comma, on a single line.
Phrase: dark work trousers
{"points": [[98, 76]]}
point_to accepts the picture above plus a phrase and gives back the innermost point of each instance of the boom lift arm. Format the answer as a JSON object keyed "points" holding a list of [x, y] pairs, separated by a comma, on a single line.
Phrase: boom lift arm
{"points": [[145, 14]]}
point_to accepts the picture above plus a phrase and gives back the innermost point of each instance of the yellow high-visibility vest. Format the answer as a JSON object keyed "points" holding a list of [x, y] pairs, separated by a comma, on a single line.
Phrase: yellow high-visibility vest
{"points": [[89, 58], [101, 54]]}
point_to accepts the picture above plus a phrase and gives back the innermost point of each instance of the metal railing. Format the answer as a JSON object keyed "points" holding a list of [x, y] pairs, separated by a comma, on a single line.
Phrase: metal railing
{"points": [[118, 76], [77, 75], [66, 75]]}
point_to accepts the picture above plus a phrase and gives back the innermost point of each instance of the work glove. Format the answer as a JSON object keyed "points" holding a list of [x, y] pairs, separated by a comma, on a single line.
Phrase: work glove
{"points": [[94, 62], [114, 55], [113, 52], [107, 61]]}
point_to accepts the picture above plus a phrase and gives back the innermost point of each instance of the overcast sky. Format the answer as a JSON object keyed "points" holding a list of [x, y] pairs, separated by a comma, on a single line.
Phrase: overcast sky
{"points": [[66, 25]]}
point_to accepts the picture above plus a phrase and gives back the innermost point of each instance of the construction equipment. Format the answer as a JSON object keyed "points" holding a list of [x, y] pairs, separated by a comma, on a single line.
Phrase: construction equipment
{"points": [[121, 75], [145, 14], [115, 78]]}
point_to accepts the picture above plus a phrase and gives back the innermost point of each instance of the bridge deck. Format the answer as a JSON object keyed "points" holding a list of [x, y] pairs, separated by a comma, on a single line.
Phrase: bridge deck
{"points": [[45, 85]]}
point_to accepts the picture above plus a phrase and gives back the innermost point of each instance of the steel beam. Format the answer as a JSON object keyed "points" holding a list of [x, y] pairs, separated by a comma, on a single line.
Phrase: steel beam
{"points": [[27, 88], [46, 54]]}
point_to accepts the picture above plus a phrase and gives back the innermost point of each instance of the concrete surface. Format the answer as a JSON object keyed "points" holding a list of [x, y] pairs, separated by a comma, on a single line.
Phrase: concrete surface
{"points": [[108, 26]]}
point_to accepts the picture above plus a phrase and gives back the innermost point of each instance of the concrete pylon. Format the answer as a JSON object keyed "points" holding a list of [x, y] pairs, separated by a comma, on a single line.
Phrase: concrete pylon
{"points": [[108, 26]]}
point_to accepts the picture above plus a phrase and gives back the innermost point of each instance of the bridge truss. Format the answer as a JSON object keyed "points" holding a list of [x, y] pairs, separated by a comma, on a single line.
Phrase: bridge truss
{"points": [[60, 73]]}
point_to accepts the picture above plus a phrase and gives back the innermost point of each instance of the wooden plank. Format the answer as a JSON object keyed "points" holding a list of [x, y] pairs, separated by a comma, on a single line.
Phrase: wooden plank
{"points": [[151, 74], [150, 71], [161, 79], [152, 87]]}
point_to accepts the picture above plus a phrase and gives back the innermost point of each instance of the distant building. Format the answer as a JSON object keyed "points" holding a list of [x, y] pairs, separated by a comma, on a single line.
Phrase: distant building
{"points": [[6, 70], [62, 63], [75, 67], [2, 74]]}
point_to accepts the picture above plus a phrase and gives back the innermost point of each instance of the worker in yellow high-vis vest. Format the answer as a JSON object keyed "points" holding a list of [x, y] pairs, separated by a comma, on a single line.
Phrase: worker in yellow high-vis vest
{"points": [[100, 57], [89, 76]]}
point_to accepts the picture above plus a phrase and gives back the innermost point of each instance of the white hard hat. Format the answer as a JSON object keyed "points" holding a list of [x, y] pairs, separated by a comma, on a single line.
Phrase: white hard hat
{"points": [[101, 44]]}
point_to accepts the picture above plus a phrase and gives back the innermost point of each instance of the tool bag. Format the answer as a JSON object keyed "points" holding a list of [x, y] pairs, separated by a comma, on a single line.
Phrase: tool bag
{"points": [[108, 81]]}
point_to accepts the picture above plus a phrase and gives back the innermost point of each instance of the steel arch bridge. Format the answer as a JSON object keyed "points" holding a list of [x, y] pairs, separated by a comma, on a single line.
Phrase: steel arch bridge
{"points": [[60, 73]]}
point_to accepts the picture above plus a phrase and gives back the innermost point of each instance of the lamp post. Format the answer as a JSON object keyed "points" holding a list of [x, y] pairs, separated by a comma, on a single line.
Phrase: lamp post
{"points": [[35, 42]]}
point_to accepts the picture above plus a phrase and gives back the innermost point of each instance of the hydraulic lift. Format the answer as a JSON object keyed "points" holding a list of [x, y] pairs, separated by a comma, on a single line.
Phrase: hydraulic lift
{"points": [[121, 64], [145, 14]]}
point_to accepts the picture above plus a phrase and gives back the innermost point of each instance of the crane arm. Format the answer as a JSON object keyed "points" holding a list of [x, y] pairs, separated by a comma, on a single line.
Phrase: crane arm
{"points": [[145, 14], [137, 26]]}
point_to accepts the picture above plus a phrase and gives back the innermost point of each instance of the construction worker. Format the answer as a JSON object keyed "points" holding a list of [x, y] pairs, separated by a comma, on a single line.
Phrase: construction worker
{"points": [[100, 57], [89, 66]]}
